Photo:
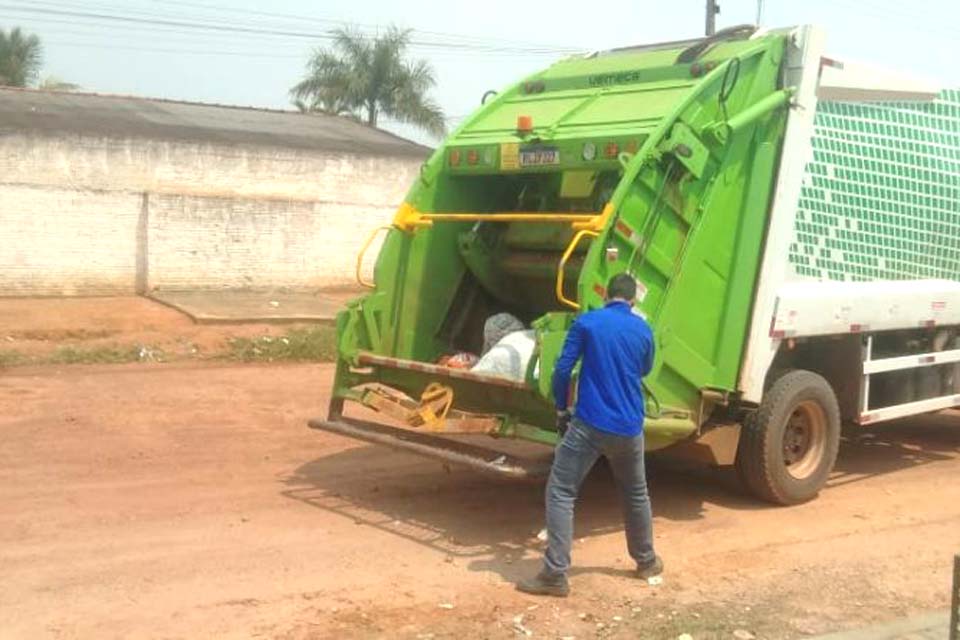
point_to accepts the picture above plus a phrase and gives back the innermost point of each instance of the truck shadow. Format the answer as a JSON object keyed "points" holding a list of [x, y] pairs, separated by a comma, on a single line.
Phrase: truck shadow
{"points": [[492, 524], [896, 446]]}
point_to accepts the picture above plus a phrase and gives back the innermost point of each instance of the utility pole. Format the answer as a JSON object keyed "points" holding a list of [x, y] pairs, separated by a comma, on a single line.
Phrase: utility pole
{"points": [[712, 10], [759, 12]]}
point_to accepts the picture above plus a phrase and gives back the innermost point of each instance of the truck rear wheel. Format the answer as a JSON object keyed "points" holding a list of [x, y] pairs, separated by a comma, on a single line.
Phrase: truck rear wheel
{"points": [[788, 446]]}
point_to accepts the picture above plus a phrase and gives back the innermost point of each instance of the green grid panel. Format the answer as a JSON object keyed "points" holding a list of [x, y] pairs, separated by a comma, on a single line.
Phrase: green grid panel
{"points": [[881, 197]]}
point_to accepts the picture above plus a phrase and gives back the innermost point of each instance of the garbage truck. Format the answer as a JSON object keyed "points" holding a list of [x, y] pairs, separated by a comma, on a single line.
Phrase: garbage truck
{"points": [[792, 223]]}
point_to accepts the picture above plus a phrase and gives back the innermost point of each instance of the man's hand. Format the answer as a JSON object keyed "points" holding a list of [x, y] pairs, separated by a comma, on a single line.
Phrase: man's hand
{"points": [[563, 422]]}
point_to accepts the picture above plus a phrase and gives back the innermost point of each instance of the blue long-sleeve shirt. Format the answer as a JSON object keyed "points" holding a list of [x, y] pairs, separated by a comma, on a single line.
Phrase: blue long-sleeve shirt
{"points": [[617, 350]]}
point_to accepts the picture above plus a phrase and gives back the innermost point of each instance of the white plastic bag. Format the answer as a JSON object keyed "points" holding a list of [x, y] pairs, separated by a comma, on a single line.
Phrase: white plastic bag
{"points": [[510, 356]]}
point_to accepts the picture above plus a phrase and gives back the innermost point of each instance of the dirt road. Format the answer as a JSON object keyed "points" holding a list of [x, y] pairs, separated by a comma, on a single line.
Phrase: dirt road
{"points": [[190, 501]]}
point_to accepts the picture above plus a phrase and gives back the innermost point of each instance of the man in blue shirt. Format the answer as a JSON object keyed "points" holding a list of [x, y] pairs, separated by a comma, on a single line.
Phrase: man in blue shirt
{"points": [[616, 347]]}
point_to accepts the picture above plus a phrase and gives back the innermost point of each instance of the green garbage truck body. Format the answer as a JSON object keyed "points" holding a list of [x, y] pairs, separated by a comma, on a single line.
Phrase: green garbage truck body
{"points": [[785, 254]]}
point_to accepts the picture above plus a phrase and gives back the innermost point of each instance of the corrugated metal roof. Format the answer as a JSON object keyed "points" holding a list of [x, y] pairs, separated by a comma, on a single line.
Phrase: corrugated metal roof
{"points": [[128, 116]]}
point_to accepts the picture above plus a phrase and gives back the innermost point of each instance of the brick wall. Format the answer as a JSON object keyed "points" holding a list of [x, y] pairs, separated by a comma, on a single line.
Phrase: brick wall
{"points": [[88, 216]]}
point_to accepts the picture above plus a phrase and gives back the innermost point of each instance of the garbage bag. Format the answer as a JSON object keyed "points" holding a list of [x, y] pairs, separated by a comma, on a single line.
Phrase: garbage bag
{"points": [[510, 356], [496, 327], [460, 360]]}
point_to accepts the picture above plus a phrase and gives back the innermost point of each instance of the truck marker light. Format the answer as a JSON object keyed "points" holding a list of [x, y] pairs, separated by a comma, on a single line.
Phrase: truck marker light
{"points": [[589, 151], [455, 158], [524, 124], [611, 150], [472, 156], [696, 70], [627, 232]]}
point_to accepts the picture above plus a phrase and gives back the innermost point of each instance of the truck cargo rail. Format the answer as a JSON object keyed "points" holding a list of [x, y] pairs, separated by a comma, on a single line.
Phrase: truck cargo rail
{"points": [[367, 358]]}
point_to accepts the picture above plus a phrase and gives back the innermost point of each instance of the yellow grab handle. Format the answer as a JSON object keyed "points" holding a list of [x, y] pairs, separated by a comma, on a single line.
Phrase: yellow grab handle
{"points": [[408, 218], [363, 251], [563, 264]]}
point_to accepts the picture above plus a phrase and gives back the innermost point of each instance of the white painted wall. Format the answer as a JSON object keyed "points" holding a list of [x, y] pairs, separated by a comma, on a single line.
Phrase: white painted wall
{"points": [[79, 214], [63, 241], [260, 243]]}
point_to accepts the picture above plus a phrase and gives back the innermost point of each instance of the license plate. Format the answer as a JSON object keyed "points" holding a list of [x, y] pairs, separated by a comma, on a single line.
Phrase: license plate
{"points": [[539, 157]]}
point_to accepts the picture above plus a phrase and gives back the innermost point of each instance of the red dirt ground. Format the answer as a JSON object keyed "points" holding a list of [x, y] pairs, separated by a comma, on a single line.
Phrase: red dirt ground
{"points": [[190, 500]]}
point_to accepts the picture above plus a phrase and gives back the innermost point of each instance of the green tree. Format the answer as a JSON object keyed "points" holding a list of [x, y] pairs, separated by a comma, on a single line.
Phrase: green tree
{"points": [[368, 78], [21, 56], [53, 83]]}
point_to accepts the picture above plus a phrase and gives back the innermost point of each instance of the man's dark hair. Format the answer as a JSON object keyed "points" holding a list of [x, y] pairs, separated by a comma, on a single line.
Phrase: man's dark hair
{"points": [[622, 286]]}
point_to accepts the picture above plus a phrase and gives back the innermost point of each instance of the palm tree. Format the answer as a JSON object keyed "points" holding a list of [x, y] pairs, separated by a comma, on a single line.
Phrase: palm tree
{"points": [[20, 58], [369, 78]]}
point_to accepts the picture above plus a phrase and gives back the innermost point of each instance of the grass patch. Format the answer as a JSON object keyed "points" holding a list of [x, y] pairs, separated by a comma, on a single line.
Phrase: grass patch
{"points": [[9, 357], [59, 335], [311, 344], [102, 355], [112, 354], [314, 343]]}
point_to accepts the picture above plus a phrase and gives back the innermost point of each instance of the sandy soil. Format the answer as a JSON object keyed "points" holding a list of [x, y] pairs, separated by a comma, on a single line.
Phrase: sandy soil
{"points": [[184, 501], [38, 326]]}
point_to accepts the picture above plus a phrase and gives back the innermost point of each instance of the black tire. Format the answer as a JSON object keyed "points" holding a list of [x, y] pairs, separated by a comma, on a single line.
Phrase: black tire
{"points": [[788, 446]]}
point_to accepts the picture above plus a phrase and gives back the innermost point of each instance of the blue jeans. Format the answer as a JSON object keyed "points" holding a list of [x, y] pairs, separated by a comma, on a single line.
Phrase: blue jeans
{"points": [[575, 456]]}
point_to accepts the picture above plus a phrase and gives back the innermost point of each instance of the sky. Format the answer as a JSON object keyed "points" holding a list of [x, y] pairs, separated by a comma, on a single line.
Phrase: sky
{"points": [[473, 46]]}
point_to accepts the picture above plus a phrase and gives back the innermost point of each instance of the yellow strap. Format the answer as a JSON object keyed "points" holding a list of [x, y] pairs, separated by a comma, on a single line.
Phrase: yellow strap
{"points": [[435, 403]]}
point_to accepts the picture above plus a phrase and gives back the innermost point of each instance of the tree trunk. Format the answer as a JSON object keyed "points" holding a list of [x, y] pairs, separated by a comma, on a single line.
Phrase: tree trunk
{"points": [[372, 113]]}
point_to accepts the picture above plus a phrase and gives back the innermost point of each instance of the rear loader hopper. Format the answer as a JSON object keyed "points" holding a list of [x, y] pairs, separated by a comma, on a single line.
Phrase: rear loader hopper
{"points": [[682, 164]]}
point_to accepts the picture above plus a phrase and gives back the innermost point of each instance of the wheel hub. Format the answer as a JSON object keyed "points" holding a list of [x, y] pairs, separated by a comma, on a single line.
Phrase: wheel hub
{"points": [[804, 439]]}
